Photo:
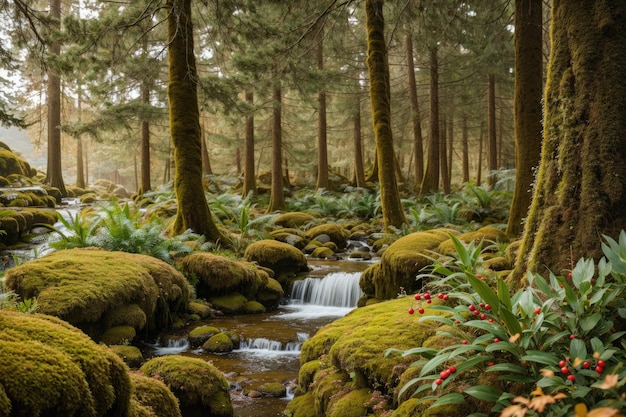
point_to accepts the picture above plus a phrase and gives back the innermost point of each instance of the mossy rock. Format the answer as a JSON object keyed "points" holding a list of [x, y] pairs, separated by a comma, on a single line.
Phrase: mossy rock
{"points": [[292, 237], [306, 373], [383, 243], [401, 263], [351, 404], [512, 251], [272, 389], [414, 407], [219, 275], [311, 246], [219, 343], [302, 406], [293, 219], [118, 335], [282, 258], [50, 368], [231, 303], [11, 164], [337, 234], [484, 234], [322, 253], [271, 294], [202, 310], [201, 334], [129, 354], [253, 307], [498, 263], [86, 287], [235, 337], [130, 315], [197, 384], [88, 198], [153, 396]]}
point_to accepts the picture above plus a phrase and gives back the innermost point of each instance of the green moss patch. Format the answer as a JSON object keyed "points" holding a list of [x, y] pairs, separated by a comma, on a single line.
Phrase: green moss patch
{"points": [[154, 397], [336, 233], [294, 219], [201, 334], [282, 258], [89, 287], [219, 343], [129, 354], [194, 382]]}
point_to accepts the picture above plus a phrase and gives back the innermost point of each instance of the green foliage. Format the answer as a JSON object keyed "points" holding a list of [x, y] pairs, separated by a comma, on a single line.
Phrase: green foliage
{"points": [[560, 340], [353, 204]]}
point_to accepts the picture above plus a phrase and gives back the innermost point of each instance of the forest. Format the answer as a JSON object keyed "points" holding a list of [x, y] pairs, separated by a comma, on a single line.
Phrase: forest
{"points": [[474, 149]]}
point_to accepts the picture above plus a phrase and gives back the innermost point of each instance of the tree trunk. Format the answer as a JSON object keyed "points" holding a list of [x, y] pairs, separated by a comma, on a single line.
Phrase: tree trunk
{"points": [[527, 104], [450, 127], [249, 173], [277, 198], [145, 184], [322, 145], [430, 183], [54, 175], [466, 172], [443, 155], [481, 141], [492, 139], [193, 211], [206, 162], [581, 184], [418, 141], [393, 213], [80, 172], [359, 170]]}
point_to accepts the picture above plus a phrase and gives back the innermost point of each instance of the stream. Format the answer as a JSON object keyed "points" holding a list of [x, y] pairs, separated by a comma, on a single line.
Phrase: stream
{"points": [[270, 351]]}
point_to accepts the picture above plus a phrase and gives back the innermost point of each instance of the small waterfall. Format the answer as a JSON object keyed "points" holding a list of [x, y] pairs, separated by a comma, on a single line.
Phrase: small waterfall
{"points": [[263, 344], [173, 347], [337, 289]]}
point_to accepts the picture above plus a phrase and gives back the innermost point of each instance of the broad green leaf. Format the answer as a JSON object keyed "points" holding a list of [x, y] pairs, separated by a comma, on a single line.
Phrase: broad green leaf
{"points": [[503, 347], [511, 321], [581, 391], [555, 382], [588, 323], [542, 284], [583, 272], [449, 399], [504, 294], [438, 319], [506, 367], [485, 292], [597, 345], [597, 296], [577, 349], [540, 357], [470, 363], [483, 392], [432, 364]]}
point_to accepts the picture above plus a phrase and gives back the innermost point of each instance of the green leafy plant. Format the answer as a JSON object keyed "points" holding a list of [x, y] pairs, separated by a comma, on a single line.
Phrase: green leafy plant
{"points": [[550, 347]]}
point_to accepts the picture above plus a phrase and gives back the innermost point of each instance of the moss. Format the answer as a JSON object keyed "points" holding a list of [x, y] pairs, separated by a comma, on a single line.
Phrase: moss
{"points": [[231, 303], [327, 384], [129, 354], [301, 406], [311, 246], [366, 280], [13, 164], [219, 275], [130, 315], [271, 294], [201, 334], [280, 257], [88, 198], [153, 395], [350, 404], [322, 253], [234, 337], [118, 335], [336, 233], [383, 242], [272, 389], [253, 307], [307, 372], [200, 309], [50, 367], [85, 286], [219, 343], [486, 233], [194, 382], [294, 219]]}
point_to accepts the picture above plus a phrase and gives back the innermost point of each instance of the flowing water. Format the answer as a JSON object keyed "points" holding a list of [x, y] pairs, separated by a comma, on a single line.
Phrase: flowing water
{"points": [[270, 351]]}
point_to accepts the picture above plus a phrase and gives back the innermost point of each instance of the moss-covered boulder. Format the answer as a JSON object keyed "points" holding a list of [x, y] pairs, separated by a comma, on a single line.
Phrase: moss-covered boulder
{"points": [[293, 237], [219, 343], [118, 335], [282, 258], [50, 368], [129, 354], [486, 235], [201, 334], [89, 287], [17, 222], [272, 389], [295, 219], [399, 265], [271, 294], [335, 232], [231, 303], [11, 164], [198, 385], [218, 275], [322, 252], [202, 310], [152, 398]]}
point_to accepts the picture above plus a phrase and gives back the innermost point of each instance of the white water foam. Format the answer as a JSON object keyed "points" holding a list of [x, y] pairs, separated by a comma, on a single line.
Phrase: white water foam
{"points": [[173, 347]]}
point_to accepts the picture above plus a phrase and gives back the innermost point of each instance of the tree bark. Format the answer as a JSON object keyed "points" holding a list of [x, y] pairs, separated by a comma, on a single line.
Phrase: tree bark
{"points": [[443, 155], [145, 184], [418, 141], [581, 183], [193, 211], [492, 139], [322, 140], [479, 165], [54, 174], [359, 170], [464, 144], [527, 106], [249, 173], [393, 213], [277, 198], [430, 182]]}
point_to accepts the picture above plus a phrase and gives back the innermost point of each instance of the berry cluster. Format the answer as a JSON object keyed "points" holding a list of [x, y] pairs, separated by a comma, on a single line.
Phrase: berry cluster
{"points": [[481, 311], [445, 374], [428, 299], [567, 368]]}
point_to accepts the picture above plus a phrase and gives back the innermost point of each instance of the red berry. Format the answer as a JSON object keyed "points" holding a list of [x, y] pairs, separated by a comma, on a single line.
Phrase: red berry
{"points": [[586, 365], [446, 297], [483, 316], [438, 381], [471, 307], [452, 369], [417, 297], [599, 369], [562, 364], [571, 377], [411, 311], [488, 307], [481, 305], [464, 342], [569, 274], [479, 276], [429, 301], [491, 364], [421, 310], [457, 321], [601, 363], [440, 296], [572, 336], [444, 374], [427, 296], [490, 320], [476, 312], [564, 370], [496, 340], [537, 310]]}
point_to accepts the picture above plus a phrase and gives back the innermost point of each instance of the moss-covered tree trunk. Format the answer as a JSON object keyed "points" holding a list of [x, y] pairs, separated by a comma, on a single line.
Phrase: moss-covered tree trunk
{"points": [[492, 140], [581, 184], [359, 169], [193, 211], [416, 118], [430, 182], [277, 198], [322, 136], [249, 177], [393, 213], [527, 103]]}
